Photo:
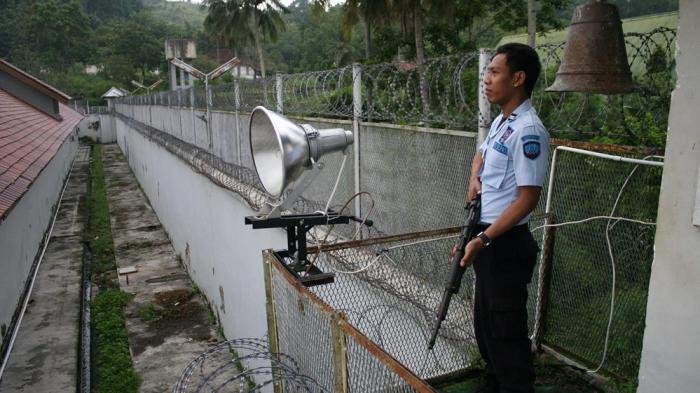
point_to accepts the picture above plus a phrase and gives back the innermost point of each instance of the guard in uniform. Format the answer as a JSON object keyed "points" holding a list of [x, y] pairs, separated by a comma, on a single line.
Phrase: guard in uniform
{"points": [[508, 170]]}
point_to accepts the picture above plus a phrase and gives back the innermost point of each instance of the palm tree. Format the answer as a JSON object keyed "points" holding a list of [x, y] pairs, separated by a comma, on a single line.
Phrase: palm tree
{"points": [[245, 22], [411, 15], [370, 12]]}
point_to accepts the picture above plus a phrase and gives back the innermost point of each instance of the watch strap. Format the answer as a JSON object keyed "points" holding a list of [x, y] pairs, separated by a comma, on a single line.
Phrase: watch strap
{"points": [[484, 238]]}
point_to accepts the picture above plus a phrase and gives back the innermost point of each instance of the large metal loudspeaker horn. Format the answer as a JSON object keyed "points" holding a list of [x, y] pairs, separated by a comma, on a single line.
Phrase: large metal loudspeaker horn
{"points": [[283, 151]]}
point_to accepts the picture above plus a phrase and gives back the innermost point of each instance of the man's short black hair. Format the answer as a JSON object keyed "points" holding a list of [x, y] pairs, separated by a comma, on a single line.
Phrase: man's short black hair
{"points": [[521, 57]]}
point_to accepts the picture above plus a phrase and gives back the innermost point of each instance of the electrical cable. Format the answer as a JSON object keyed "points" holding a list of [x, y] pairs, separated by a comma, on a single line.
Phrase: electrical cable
{"points": [[342, 209], [335, 186], [608, 227]]}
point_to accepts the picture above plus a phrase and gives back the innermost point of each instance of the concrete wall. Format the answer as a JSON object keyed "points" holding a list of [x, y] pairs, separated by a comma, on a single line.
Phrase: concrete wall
{"points": [[98, 128], [23, 230], [671, 351], [399, 205], [205, 225]]}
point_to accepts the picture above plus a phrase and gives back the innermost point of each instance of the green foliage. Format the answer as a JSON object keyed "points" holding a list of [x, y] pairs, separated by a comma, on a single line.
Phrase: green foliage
{"points": [[38, 32], [629, 9], [76, 83], [185, 15], [313, 42], [148, 313], [115, 370], [131, 45], [245, 23], [104, 10], [99, 228]]}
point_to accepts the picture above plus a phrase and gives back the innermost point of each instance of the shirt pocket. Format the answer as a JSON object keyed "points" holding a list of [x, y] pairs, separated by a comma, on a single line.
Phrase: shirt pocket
{"points": [[494, 169]]}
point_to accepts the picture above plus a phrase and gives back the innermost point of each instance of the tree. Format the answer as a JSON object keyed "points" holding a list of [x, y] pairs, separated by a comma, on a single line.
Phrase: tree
{"points": [[411, 13], [104, 10], [372, 13], [245, 22], [50, 35], [136, 43]]}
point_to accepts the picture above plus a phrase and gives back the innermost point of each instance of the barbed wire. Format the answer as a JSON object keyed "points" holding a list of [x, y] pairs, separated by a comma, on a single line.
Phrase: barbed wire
{"points": [[243, 365]]}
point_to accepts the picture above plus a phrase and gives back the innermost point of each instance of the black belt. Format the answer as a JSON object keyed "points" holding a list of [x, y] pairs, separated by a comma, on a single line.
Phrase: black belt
{"points": [[482, 227]]}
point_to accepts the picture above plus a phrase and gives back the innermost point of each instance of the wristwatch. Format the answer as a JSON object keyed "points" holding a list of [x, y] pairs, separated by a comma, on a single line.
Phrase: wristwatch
{"points": [[484, 238]]}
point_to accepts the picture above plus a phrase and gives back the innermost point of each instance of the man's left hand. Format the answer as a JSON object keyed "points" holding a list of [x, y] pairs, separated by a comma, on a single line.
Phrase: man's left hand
{"points": [[470, 251]]}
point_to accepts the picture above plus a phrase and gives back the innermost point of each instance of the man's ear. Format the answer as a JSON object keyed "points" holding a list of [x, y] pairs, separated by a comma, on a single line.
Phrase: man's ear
{"points": [[519, 78]]}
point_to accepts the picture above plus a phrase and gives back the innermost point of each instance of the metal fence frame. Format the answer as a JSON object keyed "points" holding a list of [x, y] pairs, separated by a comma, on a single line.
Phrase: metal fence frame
{"points": [[341, 332]]}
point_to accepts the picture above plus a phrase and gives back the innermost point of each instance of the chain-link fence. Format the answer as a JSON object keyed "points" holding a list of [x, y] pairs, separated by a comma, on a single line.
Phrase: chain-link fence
{"points": [[326, 346], [414, 150], [600, 268]]}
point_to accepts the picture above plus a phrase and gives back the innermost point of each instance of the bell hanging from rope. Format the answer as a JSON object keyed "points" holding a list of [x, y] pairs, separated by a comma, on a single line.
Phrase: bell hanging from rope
{"points": [[595, 59]]}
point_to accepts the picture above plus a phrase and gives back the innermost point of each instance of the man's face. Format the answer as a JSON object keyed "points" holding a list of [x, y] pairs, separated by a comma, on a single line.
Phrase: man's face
{"points": [[499, 83]]}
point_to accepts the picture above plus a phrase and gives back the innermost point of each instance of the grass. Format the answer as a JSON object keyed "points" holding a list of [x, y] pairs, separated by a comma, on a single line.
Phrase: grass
{"points": [[115, 370], [551, 377], [99, 234], [148, 313], [114, 367]]}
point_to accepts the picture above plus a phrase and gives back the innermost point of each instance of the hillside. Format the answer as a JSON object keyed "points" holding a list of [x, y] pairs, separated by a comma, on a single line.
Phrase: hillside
{"points": [[181, 14], [640, 24]]}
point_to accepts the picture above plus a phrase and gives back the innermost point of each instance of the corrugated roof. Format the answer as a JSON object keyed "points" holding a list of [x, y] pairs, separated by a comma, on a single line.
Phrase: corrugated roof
{"points": [[29, 139]]}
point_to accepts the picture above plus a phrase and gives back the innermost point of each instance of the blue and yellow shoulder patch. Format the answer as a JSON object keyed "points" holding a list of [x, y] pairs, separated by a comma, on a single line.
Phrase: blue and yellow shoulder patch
{"points": [[531, 149]]}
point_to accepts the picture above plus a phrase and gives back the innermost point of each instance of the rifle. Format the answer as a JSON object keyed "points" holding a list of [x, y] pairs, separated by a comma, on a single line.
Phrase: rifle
{"points": [[455, 279]]}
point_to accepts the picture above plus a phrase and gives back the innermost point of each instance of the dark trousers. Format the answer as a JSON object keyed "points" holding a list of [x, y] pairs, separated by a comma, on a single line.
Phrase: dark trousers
{"points": [[503, 271]]}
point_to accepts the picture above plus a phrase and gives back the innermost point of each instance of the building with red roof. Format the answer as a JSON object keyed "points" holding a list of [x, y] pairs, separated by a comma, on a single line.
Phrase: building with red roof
{"points": [[38, 141]]}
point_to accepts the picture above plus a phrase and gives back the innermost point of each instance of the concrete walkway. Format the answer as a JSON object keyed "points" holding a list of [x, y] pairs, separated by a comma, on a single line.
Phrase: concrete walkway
{"points": [[168, 321], [45, 354]]}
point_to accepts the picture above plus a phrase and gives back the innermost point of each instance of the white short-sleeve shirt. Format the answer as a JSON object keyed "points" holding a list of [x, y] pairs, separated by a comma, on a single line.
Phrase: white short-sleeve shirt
{"points": [[515, 153]]}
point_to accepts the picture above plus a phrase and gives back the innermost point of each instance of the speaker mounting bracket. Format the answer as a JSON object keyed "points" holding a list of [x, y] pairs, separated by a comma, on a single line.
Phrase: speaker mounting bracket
{"points": [[295, 256]]}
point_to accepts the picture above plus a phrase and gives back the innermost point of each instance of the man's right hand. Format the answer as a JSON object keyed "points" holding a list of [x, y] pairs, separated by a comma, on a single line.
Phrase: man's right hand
{"points": [[455, 249], [474, 188]]}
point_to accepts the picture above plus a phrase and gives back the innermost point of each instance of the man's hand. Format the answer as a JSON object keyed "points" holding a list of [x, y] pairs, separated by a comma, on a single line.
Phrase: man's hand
{"points": [[470, 251], [455, 249]]}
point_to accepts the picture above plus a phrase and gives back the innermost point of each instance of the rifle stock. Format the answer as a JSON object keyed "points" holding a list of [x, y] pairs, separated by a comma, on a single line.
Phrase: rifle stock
{"points": [[455, 279]]}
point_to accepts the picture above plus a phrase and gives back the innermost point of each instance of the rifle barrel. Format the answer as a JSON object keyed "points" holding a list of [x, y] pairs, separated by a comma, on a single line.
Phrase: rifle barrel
{"points": [[455, 279]]}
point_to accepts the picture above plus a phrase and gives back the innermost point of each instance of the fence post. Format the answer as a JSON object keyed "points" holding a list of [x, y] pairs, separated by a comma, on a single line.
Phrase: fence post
{"points": [[272, 334], [544, 280], [356, 117], [237, 108], [278, 91], [207, 119], [485, 56], [340, 362]]}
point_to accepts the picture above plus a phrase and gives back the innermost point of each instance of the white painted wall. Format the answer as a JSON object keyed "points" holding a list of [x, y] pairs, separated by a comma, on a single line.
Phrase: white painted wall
{"points": [[23, 229], [671, 351], [104, 132], [205, 225]]}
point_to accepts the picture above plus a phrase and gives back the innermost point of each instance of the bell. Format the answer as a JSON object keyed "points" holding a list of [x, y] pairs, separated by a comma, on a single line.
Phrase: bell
{"points": [[595, 59]]}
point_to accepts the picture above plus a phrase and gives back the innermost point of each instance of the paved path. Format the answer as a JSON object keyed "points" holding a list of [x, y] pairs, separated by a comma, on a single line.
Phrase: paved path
{"points": [[45, 354], [168, 321]]}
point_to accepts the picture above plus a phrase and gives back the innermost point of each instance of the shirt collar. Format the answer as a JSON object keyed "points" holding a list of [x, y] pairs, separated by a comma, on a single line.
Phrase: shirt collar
{"points": [[522, 108]]}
